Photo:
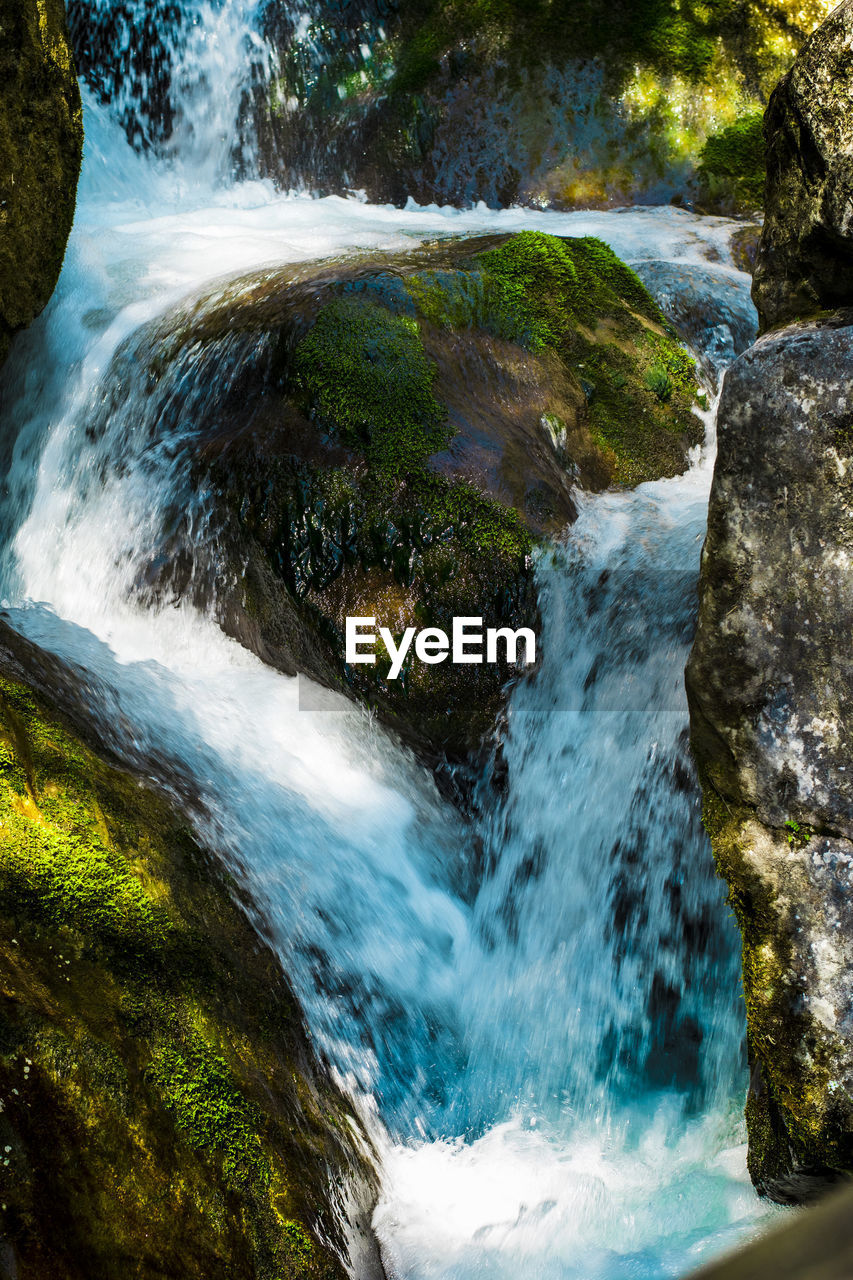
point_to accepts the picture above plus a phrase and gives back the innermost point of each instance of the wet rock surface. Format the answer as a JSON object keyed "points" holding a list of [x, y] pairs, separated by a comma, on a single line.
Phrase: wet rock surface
{"points": [[770, 681]]}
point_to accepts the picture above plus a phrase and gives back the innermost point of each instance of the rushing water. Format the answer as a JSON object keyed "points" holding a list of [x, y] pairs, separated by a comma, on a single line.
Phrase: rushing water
{"points": [[539, 1010]]}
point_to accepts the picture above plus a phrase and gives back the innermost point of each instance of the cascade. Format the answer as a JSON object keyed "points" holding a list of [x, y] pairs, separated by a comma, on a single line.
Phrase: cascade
{"points": [[538, 1010]]}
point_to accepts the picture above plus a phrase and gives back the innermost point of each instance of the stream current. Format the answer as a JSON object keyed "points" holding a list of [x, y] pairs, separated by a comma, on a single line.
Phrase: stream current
{"points": [[539, 1010]]}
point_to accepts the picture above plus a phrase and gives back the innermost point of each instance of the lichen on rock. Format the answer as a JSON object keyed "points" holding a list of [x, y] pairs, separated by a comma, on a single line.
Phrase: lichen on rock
{"points": [[770, 682]]}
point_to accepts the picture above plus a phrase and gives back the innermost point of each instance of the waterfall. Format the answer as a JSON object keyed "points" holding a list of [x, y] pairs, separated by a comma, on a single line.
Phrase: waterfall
{"points": [[537, 1009]]}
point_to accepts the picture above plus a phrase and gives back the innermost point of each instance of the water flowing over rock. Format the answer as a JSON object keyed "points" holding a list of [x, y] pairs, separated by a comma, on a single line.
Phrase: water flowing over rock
{"points": [[805, 262], [770, 681], [41, 141]]}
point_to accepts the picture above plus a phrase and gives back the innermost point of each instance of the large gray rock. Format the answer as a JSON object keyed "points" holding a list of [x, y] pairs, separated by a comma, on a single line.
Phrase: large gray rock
{"points": [[805, 262], [770, 682]]}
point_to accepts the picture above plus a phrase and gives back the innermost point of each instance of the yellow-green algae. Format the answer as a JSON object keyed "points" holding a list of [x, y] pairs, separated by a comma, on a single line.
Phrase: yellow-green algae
{"points": [[161, 1109]]}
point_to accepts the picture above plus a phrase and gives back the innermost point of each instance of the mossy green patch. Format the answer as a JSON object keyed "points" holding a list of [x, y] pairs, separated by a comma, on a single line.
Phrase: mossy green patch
{"points": [[367, 375], [732, 166], [552, 285], [160, 1101]]}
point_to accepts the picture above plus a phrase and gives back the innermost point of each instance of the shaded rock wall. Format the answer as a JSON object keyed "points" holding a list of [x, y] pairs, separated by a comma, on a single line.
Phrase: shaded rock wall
{"points": [[581, 104], [806, 259], [41, 140]]}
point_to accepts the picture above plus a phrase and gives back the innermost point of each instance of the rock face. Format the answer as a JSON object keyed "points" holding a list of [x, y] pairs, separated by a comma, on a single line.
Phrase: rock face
{"points": [[389, 439], [162, 1111], [805, 263], [770, 682], [582, 104], [41, 140]]}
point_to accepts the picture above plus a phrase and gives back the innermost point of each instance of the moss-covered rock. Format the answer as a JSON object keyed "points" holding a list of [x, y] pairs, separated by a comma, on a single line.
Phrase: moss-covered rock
{"points": [[569, 104], [161, 1111], [41, 140], [805, 260], [390, 439], [770, 684]]}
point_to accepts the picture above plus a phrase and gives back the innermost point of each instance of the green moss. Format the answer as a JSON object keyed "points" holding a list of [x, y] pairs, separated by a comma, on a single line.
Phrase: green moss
{"points": [[536, 283], [198, 1087], [470, 299], [160, 1098], [732, 165], [480, 525], [658, 381], [368, 377], [545, 287]]}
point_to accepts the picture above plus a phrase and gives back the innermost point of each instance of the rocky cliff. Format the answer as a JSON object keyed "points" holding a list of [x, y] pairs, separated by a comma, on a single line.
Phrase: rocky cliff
{"points": [[770, 678], [41, 141]]}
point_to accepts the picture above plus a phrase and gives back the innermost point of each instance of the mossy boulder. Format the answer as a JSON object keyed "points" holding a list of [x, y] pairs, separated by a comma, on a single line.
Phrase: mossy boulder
{"points": [[389, 438], [161, 1110], [770, 685], [805, 260], [567, 104], [41, 141]]}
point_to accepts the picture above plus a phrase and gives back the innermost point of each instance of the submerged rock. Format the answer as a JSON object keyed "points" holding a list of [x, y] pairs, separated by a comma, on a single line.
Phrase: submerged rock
{"points": [[805, 262], [161, 1110], [709, 305], [770, 683], [389, 438], [41, 142]]}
